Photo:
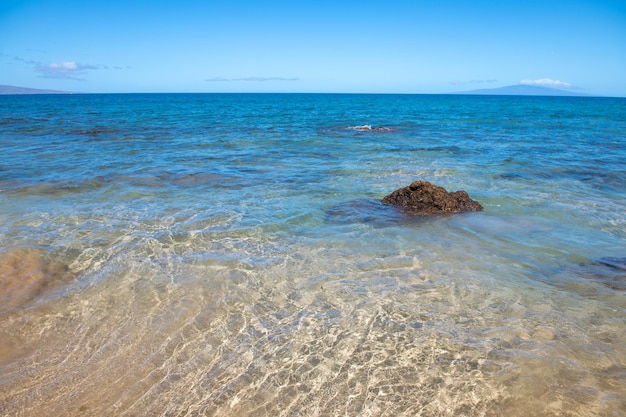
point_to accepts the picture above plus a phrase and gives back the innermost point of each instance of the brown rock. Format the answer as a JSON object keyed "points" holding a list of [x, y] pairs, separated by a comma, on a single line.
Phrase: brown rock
{"points": [[25, 274], [422, 197]]}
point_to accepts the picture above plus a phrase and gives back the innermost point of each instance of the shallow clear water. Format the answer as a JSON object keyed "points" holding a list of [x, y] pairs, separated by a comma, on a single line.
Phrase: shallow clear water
{"points": [[228, 255]]}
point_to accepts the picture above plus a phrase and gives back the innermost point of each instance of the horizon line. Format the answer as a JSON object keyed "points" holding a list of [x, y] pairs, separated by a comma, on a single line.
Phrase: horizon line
{"points": [[483, 92]]}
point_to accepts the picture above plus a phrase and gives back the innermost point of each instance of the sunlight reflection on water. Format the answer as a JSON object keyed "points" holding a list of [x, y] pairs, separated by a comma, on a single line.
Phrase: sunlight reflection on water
{"points": [[209, 263]]}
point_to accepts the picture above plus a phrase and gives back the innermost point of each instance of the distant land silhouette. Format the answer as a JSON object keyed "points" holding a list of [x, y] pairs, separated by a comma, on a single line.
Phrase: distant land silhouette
{"points": [[523, 90], [511, 90], [8, 89]]}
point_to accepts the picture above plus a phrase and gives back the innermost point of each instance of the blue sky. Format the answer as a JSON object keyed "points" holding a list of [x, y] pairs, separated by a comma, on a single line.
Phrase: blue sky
{"points": [[392, 46]]}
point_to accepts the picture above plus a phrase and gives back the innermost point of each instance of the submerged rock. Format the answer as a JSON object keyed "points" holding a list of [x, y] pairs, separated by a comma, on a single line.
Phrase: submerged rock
{"points": [[611, 272], [422, 197], [25, 274], [615, 263]]}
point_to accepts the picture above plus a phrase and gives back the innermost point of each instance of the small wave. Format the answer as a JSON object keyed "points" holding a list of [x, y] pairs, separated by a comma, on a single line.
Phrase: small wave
{"points": [[370, 128], [360, 127]]}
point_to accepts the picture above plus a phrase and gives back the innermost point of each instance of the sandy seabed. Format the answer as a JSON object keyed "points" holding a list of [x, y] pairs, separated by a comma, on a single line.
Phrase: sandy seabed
{"points": [[379, 339]]}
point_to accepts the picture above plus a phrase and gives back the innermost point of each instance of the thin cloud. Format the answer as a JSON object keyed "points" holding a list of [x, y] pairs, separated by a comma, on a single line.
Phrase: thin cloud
{"points": [[473, 82], [546, 82], [69, 70], [253, 79]]}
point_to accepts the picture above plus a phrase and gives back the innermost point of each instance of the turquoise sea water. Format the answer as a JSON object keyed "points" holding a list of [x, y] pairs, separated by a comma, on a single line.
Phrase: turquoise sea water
{"points": [[228, 255]]}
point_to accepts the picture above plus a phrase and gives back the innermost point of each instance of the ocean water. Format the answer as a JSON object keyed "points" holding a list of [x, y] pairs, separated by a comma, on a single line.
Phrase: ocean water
{"points": [[228, 255]]}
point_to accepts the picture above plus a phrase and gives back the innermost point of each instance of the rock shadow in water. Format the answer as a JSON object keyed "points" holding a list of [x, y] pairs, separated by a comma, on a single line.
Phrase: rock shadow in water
{"points": [[368, 211]]}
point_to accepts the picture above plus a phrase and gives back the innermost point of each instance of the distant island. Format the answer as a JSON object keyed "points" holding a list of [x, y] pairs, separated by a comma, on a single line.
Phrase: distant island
{"points": [[511, 90], [523, 90], [8, 89]]}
